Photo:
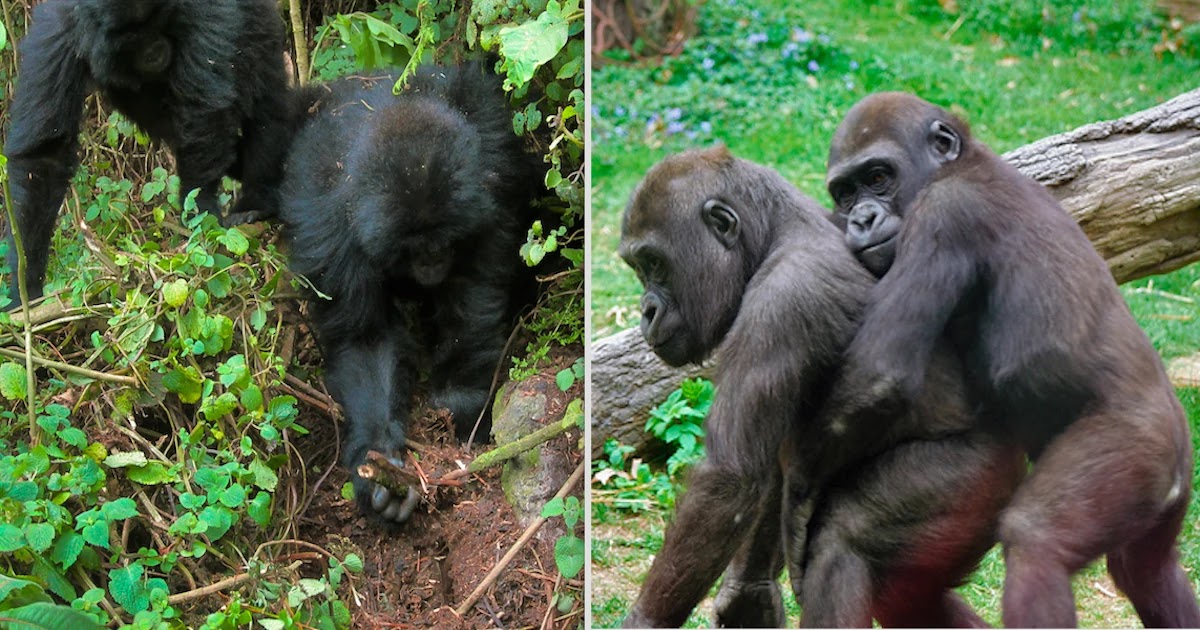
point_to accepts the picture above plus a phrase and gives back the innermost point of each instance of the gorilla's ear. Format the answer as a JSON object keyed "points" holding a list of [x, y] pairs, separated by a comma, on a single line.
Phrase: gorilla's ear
{"points": [[723, 222], [944, 141]]}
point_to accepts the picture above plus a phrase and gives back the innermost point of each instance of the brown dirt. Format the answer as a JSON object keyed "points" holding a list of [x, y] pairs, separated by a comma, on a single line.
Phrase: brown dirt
{"points": [[415, 576]]}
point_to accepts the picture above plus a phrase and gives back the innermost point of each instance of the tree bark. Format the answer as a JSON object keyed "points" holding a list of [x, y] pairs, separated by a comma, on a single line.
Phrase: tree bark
{"points": [[1133, 185]]}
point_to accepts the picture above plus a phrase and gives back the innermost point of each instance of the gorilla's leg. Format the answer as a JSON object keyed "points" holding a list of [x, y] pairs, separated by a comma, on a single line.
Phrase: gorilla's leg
{"points": [[470, 320], [42, 143], [1087, 496], [205, 157], [890, 542], [750, 596]]}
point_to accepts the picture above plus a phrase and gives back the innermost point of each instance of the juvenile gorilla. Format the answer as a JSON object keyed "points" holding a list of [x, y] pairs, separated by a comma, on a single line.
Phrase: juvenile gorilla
{"points": [[403, 208], [207, 78], [970, 248], [731, 255]]}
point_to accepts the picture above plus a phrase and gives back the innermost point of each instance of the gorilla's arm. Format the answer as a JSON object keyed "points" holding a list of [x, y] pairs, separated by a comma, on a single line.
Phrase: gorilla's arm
{"points": [[908, 311]]}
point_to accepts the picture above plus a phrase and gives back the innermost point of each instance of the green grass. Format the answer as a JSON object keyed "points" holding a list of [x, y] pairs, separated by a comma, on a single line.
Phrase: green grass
{"points": [[1017, 71]]}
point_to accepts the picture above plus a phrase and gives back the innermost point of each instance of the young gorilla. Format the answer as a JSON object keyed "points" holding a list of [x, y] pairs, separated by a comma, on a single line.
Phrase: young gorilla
{"points": [[983, 254], [403, 208], [732, 255], [207, 78]]}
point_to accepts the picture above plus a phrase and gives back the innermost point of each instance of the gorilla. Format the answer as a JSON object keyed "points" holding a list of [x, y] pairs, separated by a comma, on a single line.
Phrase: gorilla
{"points": [[737, 262], [206, 78], [970, 249], [406, 213]]}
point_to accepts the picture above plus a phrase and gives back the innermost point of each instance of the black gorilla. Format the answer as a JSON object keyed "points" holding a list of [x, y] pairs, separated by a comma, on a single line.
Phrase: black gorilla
{"points": [[971, 249], [735, 261], [207, 78], [408, 209]]}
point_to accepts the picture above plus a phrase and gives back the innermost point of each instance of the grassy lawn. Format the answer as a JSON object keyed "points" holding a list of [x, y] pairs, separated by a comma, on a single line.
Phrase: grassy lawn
{"points": [[772, 80]]}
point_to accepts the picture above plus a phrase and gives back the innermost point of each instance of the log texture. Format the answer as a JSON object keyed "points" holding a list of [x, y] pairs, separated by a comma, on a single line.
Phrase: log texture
{"points": [[1133, 185]]}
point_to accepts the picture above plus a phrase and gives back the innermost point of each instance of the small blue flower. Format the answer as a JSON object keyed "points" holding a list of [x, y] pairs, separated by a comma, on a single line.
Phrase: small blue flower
{"points": [[674, 114], [823, 38], [853, 65], [756, 38], [1077, 16], [813, 66], [619, 111], [790, 49], [708, 63], [675, 127], [801, 35], [621, 132], [706, 127]]}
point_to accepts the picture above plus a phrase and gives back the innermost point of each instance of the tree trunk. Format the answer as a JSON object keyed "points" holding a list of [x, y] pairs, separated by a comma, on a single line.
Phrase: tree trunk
{"points": [[1133, 185]]}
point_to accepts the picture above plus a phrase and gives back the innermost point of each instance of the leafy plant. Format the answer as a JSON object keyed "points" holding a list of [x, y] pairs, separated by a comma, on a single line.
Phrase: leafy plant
{"points": [[679, 421]]}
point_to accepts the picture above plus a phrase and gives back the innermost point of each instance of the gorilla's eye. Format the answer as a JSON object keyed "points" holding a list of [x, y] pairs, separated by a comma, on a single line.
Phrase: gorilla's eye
{"points": [[653, 267], [843, 195], [877, 178]]}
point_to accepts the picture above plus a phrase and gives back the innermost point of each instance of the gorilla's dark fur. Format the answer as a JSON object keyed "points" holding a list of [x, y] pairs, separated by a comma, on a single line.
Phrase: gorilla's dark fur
{"points": [[207, 78], [406, 209]]}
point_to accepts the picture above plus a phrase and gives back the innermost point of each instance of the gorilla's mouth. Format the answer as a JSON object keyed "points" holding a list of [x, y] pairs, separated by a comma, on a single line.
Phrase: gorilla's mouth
{"points": [[870, 249]]}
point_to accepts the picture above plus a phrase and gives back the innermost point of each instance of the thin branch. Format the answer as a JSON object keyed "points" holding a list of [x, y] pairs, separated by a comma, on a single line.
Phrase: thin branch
{"points": [[300, 40], [73, 369], [505, 452]]}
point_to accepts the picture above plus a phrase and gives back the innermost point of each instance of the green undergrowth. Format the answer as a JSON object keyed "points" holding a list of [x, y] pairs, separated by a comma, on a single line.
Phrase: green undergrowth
{"points": [[154, 462]]}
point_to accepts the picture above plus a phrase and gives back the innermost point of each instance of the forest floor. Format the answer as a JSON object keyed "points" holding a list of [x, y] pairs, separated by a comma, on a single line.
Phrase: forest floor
{"points": [[417, 574]]}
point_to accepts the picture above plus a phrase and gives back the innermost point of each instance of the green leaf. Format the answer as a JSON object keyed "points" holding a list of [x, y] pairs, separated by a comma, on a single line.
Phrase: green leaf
{"points": [[565, 379], [66, 549], [12, 381], [175, 293], [233, 496], [18, 592], [48, 615], [185, 382], [235, 241], [121, 459], [216, 408], [252, 398], [568, 556], [96, 534], [40, 536], [11, 538], [152, 474], [128, 589], [218, 521], [264, 477], [259, 508], [553, 507], [353, 563], [527, 46], [119, 509], [54, 579]]}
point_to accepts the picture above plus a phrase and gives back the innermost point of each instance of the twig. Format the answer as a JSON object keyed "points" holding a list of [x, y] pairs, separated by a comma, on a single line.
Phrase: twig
{"points": [[67, 367], [23, 294], [382, 471], [505, 452], [219, 586], [300, 40], [490, 578]]}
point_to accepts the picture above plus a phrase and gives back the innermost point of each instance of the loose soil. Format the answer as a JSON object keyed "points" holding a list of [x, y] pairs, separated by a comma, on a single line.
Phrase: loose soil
{"points": [[415, 575]]}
